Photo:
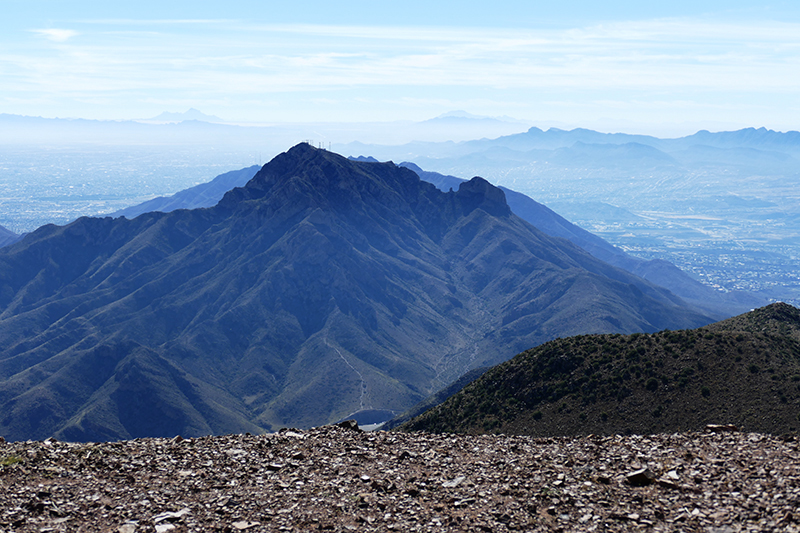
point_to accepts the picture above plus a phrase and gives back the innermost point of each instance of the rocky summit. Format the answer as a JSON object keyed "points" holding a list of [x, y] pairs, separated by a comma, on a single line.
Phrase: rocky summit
{"points": [[322, 288], [337, 479]]}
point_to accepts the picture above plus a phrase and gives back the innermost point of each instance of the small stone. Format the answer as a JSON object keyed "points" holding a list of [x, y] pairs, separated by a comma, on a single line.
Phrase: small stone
{"points": [[641, 477], [721, 428], [244, 524], [668, 483], [171, 516], [455, 482], [177, 439]]}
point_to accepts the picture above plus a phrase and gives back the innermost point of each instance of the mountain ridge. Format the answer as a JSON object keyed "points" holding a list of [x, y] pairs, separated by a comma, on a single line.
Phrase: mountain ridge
{"points": [[717, 304], [321, 287]]}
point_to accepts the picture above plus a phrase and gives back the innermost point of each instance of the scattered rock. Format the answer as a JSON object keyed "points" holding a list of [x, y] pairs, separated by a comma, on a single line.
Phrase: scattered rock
{"points": [[455, 482], [641, 477], [717, 428], [171, 517], [337, 479], [244, 524]]}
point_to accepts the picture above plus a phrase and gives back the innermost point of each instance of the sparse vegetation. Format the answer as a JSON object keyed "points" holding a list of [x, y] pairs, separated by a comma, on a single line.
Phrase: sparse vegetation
{"points": [[648, 382], [11, 460]]}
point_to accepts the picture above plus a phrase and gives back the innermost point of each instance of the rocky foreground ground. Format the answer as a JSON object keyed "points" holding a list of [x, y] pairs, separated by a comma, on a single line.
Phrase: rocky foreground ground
{"points": [[340, 479]]}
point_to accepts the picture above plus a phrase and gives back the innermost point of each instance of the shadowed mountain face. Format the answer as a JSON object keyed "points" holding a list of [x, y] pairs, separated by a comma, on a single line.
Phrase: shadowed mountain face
{"points": [[321, 288], [709, 301]]}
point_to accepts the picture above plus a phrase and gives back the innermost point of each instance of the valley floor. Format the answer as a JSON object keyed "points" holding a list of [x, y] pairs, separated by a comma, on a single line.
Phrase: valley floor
{"points": [[339, 479]]}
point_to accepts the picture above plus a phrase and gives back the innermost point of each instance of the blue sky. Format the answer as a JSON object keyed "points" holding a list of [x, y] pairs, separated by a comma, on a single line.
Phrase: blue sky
{"points": [[624, 66]]}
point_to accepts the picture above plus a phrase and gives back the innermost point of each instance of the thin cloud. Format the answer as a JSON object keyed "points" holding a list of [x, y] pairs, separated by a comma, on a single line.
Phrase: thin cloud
{"points": [[636, 61], [56, 34]]}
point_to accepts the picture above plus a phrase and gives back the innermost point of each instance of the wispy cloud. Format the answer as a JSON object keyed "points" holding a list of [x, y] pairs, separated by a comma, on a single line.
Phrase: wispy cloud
{"points": [[56, 34], [641, 61]]}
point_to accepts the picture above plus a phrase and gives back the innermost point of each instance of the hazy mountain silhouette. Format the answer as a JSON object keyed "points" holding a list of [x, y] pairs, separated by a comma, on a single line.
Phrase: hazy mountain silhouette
{"points": [[202, 195], [7, 237], [322, 287], [191, 114]]}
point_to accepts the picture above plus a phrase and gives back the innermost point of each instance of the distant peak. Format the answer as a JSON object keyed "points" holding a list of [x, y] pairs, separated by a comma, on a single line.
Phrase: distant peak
{"points": [[191, 114], [363, 159], [460, 114]]}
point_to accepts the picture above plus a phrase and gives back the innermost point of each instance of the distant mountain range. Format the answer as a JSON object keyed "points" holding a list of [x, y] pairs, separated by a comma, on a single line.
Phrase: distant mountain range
{"points": [[742, 371], [194, 127], [7, 237], [202, 195], [719, 205], [323, 287], [191, 114]]}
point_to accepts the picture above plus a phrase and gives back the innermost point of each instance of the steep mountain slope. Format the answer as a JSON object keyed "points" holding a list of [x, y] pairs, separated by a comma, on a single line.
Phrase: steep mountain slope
{"points": [[322, 287], [203, 195], [709, 301], [743, 371], [712, 302]]}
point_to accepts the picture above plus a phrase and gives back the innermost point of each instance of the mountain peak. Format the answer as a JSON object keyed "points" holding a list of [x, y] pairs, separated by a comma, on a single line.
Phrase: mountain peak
{"points": [[191, 114], [479, 193], [322, 287], [306, 177]]}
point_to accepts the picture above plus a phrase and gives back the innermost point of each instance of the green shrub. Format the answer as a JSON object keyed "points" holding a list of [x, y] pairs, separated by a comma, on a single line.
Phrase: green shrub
{"points": [[11, 460]]}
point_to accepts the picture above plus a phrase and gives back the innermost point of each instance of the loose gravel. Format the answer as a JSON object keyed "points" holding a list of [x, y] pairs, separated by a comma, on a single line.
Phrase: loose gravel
{"points": [[341, 479]]}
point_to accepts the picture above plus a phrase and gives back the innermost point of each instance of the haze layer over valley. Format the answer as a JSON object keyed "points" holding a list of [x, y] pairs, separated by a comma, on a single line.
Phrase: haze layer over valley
{"points": [[722, 206]]}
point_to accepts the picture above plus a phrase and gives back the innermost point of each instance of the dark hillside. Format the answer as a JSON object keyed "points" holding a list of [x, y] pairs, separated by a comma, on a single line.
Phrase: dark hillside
{"points": [[743, 371]]}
